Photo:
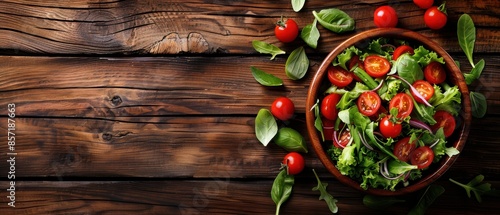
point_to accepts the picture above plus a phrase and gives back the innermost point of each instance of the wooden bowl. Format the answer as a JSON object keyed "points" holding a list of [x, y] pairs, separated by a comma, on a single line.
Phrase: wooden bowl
{"points": [[454, 76]]}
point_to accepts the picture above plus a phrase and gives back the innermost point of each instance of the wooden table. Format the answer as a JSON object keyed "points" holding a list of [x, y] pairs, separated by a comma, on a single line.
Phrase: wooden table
{"points": [[148, 107]]}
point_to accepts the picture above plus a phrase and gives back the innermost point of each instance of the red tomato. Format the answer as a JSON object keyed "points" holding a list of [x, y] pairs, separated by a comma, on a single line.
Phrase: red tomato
{"points": [[388, 128], [286, 31], [435, 17], [434, 73], [329, 106], [339, 76], [328, 128], [424, 88], [283, 108], [444, 120], [422, 157], [352, 63], [376, 66], [401, 50], [385, 17], [403, 103], [343, 139], [369, 103], [404, 148], [424, 4], [294, 162]]}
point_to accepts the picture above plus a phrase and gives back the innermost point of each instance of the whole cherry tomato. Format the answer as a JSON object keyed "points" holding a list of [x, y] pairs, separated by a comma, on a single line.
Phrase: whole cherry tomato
{"points": [[435, 17], [294, 162], [385, 17], [328, 107], [286, 31], [424, 4], [283, 108], [390, 127]]}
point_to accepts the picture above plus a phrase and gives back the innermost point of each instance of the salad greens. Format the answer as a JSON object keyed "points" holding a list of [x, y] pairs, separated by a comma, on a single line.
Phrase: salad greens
{"points": [[282, 188], [330, 201], [478, 188]]}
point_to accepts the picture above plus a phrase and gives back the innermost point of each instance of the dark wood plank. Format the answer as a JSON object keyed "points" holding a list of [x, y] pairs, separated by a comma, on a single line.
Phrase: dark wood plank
{"points": [[227, 26]]}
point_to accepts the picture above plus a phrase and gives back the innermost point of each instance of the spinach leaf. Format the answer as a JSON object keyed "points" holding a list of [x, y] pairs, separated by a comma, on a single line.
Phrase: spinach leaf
{"points": [[290, 140], [265, 79], [431, 193], [397, 167], [310, 34], [478, 104], [335, 20], [477, 187], [475, 72], [466, 32], [297, 64], [282, 188], [266, 48], [265, 126], [408, 68], [380, 202], [297, 5], [330, 201]]}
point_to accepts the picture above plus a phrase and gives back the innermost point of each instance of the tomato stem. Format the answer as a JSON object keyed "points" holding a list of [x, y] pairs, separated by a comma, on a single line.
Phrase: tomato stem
{"points": [[281, 22], [442, 8]]}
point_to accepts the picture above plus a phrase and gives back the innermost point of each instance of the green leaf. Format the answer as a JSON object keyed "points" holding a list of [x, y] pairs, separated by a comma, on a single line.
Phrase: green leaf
{"points": [[297, 5], [408, 68], [380, 202], [310, 34], [478, 104], [431, 193], [282, 188], [290, 140], [335, 20], [476, 186], [265, 79], [475, 72], [318, 123], [397, 167], [466, 32], [266, 48], [451, 151], [265, 126], [297, 64], [324, 195]]}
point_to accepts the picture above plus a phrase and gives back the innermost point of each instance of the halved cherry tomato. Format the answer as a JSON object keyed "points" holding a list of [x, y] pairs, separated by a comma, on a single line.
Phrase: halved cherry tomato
{"points": [[328, 128], [376, 66], [352, 63], [424, 88], [422, 157], [404, 148], [402, 50], [343, 139], [339, 76], [389, 128], [286, 31], [329, 106], [434, 73], [403, 103], [369, 103], [444, 120], [294, 162], [283, 108]]}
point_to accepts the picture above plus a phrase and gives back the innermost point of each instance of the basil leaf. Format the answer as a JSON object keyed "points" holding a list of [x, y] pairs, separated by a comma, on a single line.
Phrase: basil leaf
{"points": [[324, 195], [398, 167], [290, 140], [380, 202], [466, 32], [265, 126], [297, 5], [297, 64], [478, 103], [475, 72], [264, 78], [266, 48], [282, 188], [335, 20], [408, 68], [310, 35], [431, 193]]}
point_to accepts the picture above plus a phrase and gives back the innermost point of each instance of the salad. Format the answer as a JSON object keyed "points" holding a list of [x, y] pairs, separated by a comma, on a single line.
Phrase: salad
{"points": [[387, 112]]}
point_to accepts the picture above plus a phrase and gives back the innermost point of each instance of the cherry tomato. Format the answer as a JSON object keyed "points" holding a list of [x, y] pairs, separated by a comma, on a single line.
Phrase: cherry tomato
{"points": [[339, 76], [403, 103], [422, 157], [352, 63], [434, 73], [376, 66], [329, 106], [283, 108], [444, 120], [404, 148], [294, 162], [424, 88], [343, 139], [435, 17], [385, 17], [369, 103], [424, 4], [328, 128], [401, 50], [389, 128], [286, 31]]}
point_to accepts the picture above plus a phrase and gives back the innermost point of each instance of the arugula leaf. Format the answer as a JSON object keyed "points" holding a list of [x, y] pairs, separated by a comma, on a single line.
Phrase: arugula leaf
{"points": [[282, 188], [479, 104], [310, 34], [330, 201], [476, 187], [266, 48], [431, 193], [265, 126], [297, 5], [335, 20], [466, 33], [265, 79], [297, 64], [475, 72]]}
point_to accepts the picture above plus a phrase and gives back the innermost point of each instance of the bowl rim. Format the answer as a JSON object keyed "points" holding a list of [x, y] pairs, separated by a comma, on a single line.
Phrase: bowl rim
{"points": [[455, 76]]}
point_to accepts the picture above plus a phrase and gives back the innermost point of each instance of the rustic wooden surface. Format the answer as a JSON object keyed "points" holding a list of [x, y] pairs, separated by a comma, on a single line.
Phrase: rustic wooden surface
{"points": [[148, 107]]}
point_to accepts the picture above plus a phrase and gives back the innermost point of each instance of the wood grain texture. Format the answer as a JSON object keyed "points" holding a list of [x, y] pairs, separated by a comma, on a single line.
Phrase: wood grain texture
{"points": [[226, 26]]}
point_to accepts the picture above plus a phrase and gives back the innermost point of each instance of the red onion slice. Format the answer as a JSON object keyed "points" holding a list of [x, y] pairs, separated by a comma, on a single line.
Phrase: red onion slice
{"points": [[379, 86], [413, 90], [419, 124], [363, 140], [384, 171]]}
